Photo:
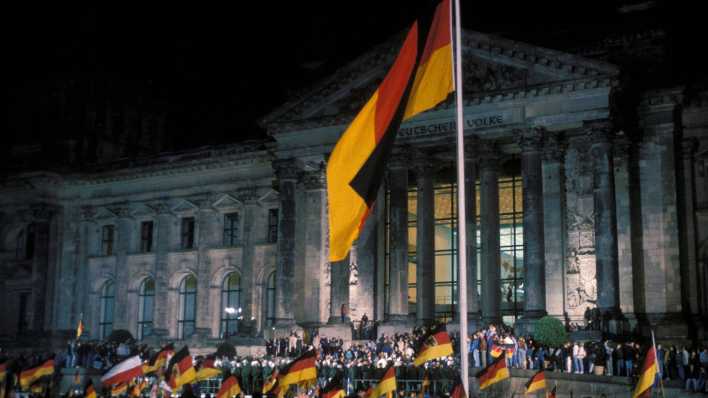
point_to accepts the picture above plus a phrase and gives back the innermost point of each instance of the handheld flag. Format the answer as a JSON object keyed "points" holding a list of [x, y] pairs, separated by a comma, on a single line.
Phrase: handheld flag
{"points": [[79, 329], [537, 382], [124, 371], [207, 370], [494, 373], [271, 382], [89, 391], [386, 385], [180, 370], [458, 390], [648, 375], [29, 376], [334, 389], [417, 81], [158, 360], [434, 345], [300, 370], [229, 388]]}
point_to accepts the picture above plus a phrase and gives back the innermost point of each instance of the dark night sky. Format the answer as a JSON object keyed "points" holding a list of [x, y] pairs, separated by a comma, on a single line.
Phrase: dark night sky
{"points": [[227, 67]]}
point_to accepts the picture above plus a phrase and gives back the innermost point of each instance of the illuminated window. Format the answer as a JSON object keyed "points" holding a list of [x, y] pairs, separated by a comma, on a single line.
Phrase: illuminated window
{"points": [[230, 304]]}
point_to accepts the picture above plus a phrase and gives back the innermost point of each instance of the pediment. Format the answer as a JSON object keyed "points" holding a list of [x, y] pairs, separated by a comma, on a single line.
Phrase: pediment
{"points": [[270, 197], [491, 65], [142, 210], [227, 202], [184, 206], [103, 213]]}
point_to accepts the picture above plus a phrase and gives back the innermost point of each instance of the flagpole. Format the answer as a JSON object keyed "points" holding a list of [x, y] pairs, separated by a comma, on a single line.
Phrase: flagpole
{"points": [[462, 216], [656, 360]]}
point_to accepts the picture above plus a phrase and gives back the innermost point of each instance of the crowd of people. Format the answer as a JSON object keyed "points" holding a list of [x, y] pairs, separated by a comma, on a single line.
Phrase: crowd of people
{"points": [[361, 363]]}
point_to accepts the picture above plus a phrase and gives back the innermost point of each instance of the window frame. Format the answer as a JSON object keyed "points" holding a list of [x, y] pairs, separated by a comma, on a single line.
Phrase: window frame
{"points": [[108, 295], [232, 229], [228, 324], [187, 233], [143, 312], [146, 237], [108, 243], [185, 295]]}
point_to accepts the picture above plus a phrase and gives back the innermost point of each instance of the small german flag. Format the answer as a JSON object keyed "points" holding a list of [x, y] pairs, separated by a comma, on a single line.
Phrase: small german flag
{"points": [[552, 394], [496, 351], [207, 370], [494, 373], [29, 376], [300, 370], [458, 390], [386, 385], [537, 382], [180, 370], [334, 389], [89, 391], [138, 388], [158, 360], [271, 382], [229, 388], [434, 345], [119, 389], [79, 329]]}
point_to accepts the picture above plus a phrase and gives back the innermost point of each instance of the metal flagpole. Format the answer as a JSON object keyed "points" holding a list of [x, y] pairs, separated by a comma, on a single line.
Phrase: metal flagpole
{"points": [[461, 211], [658, 368]]}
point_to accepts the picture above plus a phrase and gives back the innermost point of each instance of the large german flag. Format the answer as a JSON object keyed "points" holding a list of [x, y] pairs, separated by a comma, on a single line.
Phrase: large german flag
{"points": [[648, 375], [158, 360], [300, 370], [386, 385], [230, 387], [433, 345], [494, 373], [536, 382], [29, 376], [333, 389], [180, 369], [420, 78]]}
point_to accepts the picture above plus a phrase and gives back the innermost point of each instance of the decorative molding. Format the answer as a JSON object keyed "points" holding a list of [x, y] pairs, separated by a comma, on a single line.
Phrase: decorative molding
{"points": [[598, 131], [554, 147], [142, 210], [270, 197], [286, 169], [314, 180], [185, 206], [227, 202], [529, 139]]}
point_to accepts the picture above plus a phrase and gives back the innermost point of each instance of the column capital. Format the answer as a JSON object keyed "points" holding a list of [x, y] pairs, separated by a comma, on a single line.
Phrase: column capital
{"points": [[688, 147], [399, 160], [286, 169], [316, 179], [530, 139], [423, 165], [598, 131], [554, 147], [248, 195]]}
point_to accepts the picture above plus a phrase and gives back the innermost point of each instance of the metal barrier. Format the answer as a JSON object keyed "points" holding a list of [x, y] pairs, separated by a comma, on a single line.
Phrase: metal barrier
{"points": [[406, 385]]}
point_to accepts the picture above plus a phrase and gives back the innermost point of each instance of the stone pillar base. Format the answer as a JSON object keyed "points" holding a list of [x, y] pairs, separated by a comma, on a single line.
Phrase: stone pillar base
{"points": [[667, 327]]}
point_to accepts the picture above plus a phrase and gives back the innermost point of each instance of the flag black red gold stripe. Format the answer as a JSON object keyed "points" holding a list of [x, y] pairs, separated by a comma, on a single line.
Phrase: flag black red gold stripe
{"points": [[536, 382], [434, 345], [230, 387], [494, 373], [29, 376], [79, 329], [355, 167], [458, 390], [119, 389], [207, 370], [180, 369], [333, 389], [158, 360], [386, 385], [89, 391], [648, 374], [269, 384], [300, 370], [552, 394]]}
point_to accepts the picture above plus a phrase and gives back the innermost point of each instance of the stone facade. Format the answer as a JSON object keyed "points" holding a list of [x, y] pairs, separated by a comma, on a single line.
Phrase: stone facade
{"points": [[612, 219]]}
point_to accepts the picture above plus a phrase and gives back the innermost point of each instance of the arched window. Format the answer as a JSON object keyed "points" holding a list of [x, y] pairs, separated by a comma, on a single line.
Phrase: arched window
{"points": [[188, 299], [107, 301], [270, 300], [231, 304], [145, 310]]}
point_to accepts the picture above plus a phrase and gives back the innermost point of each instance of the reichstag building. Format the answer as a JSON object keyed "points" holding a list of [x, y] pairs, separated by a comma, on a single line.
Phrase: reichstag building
{"points": [[580, 197]]}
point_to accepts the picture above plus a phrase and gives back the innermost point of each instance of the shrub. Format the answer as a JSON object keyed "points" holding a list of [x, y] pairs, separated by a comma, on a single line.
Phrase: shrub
{"points": [[550, 331]]}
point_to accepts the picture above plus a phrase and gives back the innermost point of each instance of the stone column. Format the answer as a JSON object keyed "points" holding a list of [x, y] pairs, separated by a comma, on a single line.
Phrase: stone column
{"points": [[553, 223], [339, 289], [41, 216], [380, 253], [605, 218], [363, 278], [425, 242], [398, 232], [489, 227], [316, 230], [124, 226], [287, 174], [161, 328], [471, 158], [206, 220], [690, 273], [531, 142], [625, 227], [249, 198]]}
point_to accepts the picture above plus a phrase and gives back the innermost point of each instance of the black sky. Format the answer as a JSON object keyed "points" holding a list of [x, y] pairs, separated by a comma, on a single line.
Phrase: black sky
{"points": [[228, 66]]}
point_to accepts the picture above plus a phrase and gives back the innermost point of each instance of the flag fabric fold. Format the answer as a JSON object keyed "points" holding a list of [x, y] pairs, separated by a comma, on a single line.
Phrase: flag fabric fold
{"points": [[180, 370], [89, 391], [32, 375], [458, 390], [433, 345], [416, 82], [333, 389], [536, 382], [230, 387], [124, 372], [386, 385], [493, 373], [207, 370], [552, 394], [119, 389], [648, 374], [301, 370], [79, 329], [158, 360]]}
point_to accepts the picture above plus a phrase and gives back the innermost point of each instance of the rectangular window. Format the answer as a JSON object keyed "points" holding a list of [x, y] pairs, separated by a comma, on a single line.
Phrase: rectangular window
{"points": [[146, 236], [107, 236], [272, 225], [188, 233], [231, 229]]}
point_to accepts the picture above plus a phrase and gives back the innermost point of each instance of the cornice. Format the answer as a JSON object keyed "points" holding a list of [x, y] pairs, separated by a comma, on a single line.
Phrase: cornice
{"points": [[661, 99]]}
